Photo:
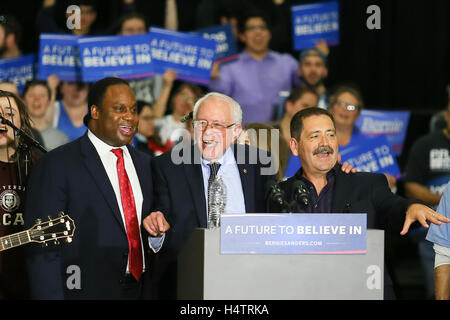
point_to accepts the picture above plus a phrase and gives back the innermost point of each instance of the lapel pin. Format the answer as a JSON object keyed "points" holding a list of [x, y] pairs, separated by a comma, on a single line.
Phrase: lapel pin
{"points": [[245, 170]]}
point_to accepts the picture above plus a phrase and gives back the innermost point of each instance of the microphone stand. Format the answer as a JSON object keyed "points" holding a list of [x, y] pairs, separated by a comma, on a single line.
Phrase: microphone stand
{"points": [[23, 147], [28, 139]]}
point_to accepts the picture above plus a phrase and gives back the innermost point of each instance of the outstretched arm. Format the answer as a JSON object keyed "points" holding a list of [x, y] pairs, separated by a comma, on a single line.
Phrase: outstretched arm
{"points": [[422, 214]]}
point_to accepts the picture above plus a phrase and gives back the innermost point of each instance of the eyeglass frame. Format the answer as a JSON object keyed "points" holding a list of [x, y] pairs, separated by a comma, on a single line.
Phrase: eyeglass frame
{"points": [[213, 125], [346, 105]]}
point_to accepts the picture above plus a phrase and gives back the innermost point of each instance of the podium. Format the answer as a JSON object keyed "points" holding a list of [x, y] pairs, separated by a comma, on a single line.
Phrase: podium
{"points": [[205, 274]]}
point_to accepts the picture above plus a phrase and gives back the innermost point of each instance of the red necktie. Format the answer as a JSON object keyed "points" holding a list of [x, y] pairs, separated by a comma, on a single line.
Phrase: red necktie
{"points": [[131, 221]]}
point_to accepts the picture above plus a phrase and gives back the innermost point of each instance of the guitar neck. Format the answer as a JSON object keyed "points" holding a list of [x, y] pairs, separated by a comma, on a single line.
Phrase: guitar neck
{"points": [[14, 240]]}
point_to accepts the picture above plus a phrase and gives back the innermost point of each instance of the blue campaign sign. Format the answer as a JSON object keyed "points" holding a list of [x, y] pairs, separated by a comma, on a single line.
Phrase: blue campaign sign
{"points": [[393, 124], [293, 234], [126, 57], [438, 184], [292, 166], [312, 22], [226, 49], [58, 55], [191, 56], [18, 70], [373, 155]]}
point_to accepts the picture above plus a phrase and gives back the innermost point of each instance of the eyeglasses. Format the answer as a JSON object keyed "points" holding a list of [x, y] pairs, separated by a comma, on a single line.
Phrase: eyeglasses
{"points": [[347, 106], [203, 124]]}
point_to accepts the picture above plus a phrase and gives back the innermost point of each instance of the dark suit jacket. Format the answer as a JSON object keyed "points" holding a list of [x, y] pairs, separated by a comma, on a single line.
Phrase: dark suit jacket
{"points": [[363, 192], [179, 191], [72, 178], [179, 194], [369, 193]]}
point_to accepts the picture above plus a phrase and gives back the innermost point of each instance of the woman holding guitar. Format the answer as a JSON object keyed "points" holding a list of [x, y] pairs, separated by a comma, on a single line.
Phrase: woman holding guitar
{"points": [[16, 160]]}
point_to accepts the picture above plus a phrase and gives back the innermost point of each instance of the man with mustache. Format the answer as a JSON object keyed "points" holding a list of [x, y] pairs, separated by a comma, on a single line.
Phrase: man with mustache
{"points": [[313, 139], [105, 186]]}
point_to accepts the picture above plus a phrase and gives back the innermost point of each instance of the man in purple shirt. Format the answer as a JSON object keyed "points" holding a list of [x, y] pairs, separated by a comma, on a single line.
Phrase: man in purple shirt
{"points": [[257, 77]]}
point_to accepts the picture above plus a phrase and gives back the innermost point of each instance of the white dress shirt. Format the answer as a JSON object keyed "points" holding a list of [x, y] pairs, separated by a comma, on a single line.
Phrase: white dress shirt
{"points": [[109, 161]]}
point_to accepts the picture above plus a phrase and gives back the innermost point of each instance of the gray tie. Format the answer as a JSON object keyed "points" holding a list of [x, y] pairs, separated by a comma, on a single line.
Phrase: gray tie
{"points": [[214, 168]]}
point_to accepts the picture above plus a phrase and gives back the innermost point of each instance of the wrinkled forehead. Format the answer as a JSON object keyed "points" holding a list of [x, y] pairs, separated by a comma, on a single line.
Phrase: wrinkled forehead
{"points": [[317, 123], [215, 109]]}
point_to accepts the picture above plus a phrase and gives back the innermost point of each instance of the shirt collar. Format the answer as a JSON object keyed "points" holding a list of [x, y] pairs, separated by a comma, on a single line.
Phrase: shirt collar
{"points": [[299, 173], [227, 158], [102, 147], [246, 56]]}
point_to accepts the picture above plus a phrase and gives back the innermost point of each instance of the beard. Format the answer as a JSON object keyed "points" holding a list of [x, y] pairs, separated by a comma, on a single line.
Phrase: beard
{"points": [[313, 86]]}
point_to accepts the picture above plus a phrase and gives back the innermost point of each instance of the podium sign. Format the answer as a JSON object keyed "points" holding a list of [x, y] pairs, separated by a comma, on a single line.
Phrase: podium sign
{"points": [[204, 273], [293, 234]]}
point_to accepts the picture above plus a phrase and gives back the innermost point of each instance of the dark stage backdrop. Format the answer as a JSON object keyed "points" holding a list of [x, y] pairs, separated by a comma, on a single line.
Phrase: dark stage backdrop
{"points": [[405, 65]]}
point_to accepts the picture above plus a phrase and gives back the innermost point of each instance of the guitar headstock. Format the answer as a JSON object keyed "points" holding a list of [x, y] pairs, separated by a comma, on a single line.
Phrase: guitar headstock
{"points": [[62, 227]]}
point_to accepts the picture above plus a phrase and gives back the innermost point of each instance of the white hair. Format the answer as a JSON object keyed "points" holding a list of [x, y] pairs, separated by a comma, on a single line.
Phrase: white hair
{"points": [[237, 111]]}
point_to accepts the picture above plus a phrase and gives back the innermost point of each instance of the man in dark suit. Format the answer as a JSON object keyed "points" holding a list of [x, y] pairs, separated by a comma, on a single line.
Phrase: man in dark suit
{"points": [[103, 185], [313, 139], [181, 177]]}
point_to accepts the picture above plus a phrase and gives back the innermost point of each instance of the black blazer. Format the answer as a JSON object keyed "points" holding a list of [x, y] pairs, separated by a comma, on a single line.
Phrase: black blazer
{"points": [[179, 191], [364, 192], [369, 193], [72, 178]]}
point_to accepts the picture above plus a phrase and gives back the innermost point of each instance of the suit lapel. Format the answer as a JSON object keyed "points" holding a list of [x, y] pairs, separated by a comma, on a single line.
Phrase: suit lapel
{"points": [[144, 180], [95, 168], [340, 201], [194, 176]]}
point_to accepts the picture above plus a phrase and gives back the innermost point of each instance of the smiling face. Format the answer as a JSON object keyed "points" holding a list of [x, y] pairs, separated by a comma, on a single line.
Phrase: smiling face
{"points": [[116, 121], [317, 145], [256, 36], [213, 142], [345, 118], [37, 101], [313, 70]]}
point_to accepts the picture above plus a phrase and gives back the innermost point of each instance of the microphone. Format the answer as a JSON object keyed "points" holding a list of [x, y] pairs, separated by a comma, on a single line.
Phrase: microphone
{"points": [[19, 132], [300, 193], [275, 196]]}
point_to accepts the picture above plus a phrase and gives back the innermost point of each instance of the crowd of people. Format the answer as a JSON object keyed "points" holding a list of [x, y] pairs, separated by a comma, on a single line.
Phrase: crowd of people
{"points": [[113, 140]]}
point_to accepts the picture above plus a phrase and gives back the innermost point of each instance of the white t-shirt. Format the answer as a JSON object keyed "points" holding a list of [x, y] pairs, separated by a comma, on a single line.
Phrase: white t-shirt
{"points": [[169, 129]]}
